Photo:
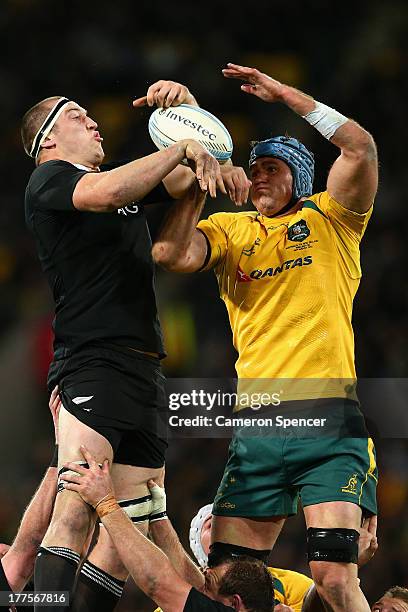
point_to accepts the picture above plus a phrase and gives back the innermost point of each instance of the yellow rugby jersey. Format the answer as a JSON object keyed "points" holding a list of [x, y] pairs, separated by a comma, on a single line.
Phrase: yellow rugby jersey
{"points": [[290, 588], [288, 284]]}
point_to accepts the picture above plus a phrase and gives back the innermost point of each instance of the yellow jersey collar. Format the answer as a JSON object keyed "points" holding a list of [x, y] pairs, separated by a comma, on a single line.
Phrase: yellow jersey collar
{"points": [[268, 222]]}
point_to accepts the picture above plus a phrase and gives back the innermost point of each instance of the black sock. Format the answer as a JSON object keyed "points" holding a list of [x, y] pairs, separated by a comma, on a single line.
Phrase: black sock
{"points": [[55, 569], [96, 591]]}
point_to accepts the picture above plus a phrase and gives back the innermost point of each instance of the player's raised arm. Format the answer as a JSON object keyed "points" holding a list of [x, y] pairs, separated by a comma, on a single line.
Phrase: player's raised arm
{"points": [[353, 179], [59, 130], [179, 246], [106, 191]]}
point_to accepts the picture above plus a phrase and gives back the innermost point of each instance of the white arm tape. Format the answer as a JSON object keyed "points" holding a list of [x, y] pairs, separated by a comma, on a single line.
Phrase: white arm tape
{"points": [[326, 120]]}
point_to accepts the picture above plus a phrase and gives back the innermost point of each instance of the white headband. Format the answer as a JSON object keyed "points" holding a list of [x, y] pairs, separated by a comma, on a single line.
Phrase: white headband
{"points": [[195, 534], [47, 126]]}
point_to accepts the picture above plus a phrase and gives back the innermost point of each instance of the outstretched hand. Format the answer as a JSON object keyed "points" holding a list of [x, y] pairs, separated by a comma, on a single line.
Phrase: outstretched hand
{"points": [[236, 183], [164, 94], [206, 168], [256, 83], [92, 483]]}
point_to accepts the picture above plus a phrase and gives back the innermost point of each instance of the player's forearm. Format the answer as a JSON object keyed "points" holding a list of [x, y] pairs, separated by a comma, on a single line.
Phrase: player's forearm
{"points": [[350, 137], [166, 538], [36, 518], [175, 236], [19, 560], [296, 100], [133, 181], [147, 564], [111, 190]]}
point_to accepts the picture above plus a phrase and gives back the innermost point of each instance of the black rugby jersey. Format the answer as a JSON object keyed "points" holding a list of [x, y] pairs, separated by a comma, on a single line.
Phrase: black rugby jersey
{"points": [[99, 265], [197, 601]]}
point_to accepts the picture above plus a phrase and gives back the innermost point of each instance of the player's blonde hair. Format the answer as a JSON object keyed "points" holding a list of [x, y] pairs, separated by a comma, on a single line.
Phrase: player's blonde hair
{"points": [[397, 592]]}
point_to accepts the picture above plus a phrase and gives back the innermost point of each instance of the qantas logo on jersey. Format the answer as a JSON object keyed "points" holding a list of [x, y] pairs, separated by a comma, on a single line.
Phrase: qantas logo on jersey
{"points": [[287, 265]]}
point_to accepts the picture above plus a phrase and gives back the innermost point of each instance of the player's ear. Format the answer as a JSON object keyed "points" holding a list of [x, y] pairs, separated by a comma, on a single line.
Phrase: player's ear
{"points": [[237, 603], [49, 142]]}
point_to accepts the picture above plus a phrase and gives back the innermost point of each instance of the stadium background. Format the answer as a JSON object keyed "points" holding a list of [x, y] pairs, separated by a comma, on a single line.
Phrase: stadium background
{"points": [[350, 56]]}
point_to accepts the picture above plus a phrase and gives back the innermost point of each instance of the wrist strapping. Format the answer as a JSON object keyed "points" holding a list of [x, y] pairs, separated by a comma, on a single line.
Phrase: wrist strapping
{"points": [[326, 120], [106, 505], [158, 511]]}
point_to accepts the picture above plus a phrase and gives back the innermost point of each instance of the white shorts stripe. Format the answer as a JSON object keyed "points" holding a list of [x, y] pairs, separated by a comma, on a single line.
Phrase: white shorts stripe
{"points": [[101, 579]]}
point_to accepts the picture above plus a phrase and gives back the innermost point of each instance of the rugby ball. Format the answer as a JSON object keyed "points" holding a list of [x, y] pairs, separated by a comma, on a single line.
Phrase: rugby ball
{"points": [[169, 125]]}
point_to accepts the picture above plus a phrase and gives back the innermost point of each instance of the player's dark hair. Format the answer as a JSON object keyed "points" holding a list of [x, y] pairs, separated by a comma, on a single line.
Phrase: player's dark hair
{"points": [[33, 120], [251, 580], [397, 592]]}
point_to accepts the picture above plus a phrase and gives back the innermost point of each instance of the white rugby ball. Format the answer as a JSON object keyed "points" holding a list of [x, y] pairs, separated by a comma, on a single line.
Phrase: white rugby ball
{"points": [[169, 125]]}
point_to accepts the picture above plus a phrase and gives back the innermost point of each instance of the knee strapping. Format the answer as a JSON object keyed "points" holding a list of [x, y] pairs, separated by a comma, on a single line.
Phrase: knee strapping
{"points": [[338, 545]]}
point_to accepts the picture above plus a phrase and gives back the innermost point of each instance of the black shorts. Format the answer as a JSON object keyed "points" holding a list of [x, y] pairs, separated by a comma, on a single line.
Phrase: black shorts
{"points": [[120, 394]]}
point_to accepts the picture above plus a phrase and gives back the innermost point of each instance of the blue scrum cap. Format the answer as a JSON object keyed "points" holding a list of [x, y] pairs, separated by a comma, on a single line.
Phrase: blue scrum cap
{"points": [[299, 159]]}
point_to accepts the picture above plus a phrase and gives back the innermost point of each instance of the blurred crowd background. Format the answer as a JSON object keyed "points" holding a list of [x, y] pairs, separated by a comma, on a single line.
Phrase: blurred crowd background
{"points": [[351, 56]]}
